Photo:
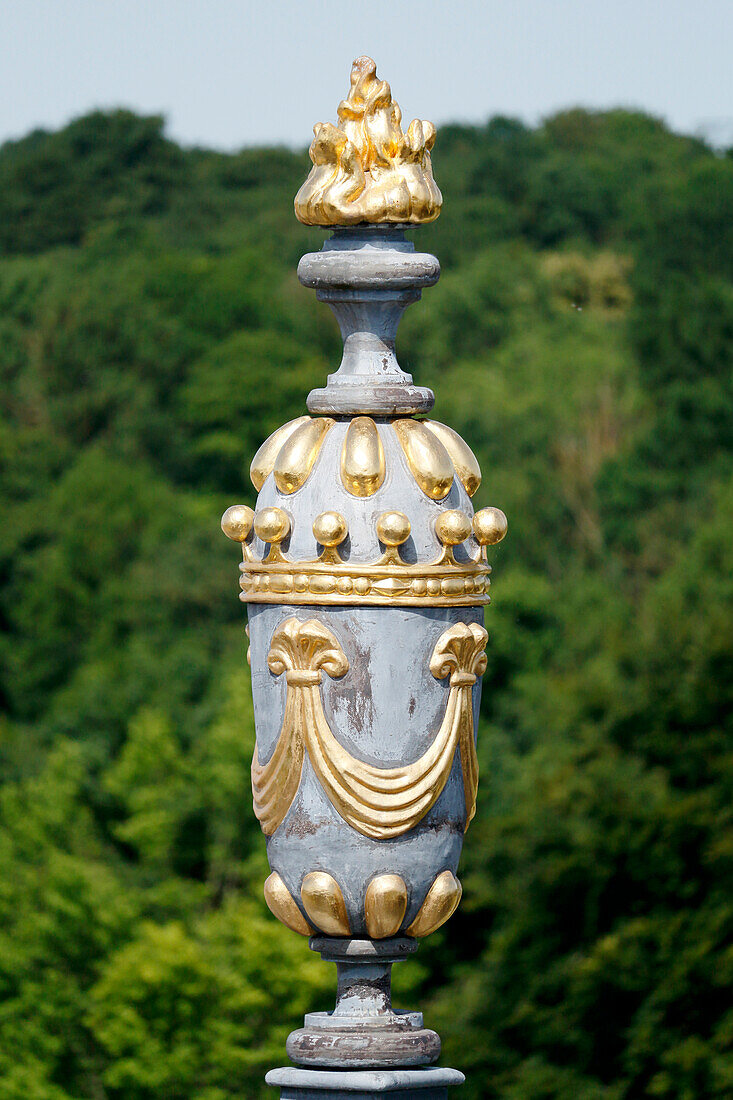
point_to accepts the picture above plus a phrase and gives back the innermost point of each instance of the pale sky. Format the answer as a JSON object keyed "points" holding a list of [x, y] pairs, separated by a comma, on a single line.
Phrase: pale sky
{"points": [[229, 73]]}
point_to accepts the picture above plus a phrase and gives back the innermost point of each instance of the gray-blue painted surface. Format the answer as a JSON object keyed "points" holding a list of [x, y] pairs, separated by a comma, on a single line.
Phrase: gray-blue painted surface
{"points": [[388, 707], [306, 1084]]}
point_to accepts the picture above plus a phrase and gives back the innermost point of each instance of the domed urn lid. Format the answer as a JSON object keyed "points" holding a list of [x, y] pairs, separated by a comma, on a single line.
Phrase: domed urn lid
{"points": [[365, 512]]}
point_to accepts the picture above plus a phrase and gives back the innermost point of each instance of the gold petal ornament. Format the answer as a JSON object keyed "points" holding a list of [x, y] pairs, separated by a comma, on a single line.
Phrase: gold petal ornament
{"points": [[429, 461], [263, 462], [435, 454], [462, 457], [385, 906], [282, 905], [298, 454], [324, 903], [362, 458], [440, 904]]}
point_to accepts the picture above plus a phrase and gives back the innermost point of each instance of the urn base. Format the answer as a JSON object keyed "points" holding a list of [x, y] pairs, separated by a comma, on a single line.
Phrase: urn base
{"points": [[329, 1041], [363, 1031]]}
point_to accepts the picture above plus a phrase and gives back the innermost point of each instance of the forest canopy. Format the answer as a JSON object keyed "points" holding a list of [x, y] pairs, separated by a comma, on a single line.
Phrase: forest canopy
{"points": [[152, 334]]}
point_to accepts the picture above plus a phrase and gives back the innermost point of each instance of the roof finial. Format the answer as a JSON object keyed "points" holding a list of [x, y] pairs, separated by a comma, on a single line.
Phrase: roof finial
{"points": [[367, 169]]}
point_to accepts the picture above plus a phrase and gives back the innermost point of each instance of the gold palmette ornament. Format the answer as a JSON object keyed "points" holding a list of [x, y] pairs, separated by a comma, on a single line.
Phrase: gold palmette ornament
{"points": [[365, 571], [366, 169]]}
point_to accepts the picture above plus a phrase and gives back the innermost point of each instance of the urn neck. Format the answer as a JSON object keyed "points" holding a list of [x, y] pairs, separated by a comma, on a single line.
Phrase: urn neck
{"points": [[364, 969], [363, 1030], [368, 275]]}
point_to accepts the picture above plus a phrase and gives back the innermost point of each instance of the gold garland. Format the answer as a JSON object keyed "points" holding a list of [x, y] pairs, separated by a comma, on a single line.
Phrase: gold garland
{"points": [[378, 802]]}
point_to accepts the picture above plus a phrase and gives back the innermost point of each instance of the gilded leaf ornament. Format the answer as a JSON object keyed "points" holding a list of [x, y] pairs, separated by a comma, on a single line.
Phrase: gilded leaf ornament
{"points": [[378, 802], [263, 462], [434, 454], [362, 458]]}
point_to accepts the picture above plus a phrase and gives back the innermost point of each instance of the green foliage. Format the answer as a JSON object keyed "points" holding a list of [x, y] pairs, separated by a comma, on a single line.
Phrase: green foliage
{"points": [[196, 1013], [152, 334], [55, 186]]}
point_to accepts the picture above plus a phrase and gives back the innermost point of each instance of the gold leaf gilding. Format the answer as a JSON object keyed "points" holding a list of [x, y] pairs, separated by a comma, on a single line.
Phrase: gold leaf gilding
{"points": [[324, 903], [490, 526], [440, 903], [301, 650], [264, 461], [236, 523], [391, 581], [378, 802], [460, 654], [298, 454], [366, 169], [463, 458], [429, 461], [282, 905], [362, 458], [385, 905]]}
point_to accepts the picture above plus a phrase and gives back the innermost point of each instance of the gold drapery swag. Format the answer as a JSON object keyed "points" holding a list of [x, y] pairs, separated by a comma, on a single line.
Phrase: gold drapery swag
{"points": [[377, 802]]}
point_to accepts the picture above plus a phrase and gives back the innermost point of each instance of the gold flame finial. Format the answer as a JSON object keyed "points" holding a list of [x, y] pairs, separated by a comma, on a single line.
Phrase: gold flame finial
{"points": [[367, 169]]}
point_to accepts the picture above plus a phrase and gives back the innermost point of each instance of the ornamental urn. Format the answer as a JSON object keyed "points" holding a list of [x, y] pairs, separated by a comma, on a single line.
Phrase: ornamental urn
{"points": [[365, 575]]}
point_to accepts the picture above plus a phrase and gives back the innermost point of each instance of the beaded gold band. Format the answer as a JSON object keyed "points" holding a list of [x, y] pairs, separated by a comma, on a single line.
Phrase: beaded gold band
{"points": [[381, 585], [390, 581]]}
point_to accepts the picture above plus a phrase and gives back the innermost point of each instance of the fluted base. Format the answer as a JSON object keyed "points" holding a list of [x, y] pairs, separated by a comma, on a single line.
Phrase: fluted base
{"points": [[404, 1084]]}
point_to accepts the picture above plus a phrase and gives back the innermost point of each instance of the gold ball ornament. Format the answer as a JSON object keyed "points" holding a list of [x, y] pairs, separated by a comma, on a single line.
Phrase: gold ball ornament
{"points": [[490, 526], [236, 523], [330, 528], [393, 528], [272, 525], [452, 527]]}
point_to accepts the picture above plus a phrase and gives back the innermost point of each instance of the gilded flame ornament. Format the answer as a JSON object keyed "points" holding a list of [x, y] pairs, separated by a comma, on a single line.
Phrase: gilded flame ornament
{"points": [[366, 169], [365, 571]]}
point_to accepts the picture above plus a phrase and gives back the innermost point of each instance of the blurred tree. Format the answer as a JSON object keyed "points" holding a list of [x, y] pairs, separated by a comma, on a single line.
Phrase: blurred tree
{"points": [[107, 164], [581, 341]]}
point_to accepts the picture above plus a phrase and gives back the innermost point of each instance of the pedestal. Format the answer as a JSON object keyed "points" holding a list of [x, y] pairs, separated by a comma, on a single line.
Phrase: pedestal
{"points": [[404, 1084], [363, 1031]]}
